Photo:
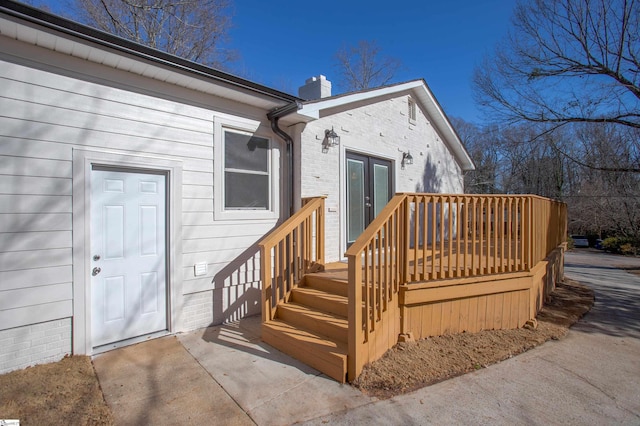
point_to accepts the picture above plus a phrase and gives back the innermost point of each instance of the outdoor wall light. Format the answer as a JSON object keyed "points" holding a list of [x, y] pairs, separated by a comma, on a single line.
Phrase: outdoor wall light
{"points": [[407, 159], [331, 138]]}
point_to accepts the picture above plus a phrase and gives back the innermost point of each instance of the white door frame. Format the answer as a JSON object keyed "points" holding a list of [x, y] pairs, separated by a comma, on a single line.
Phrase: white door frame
{"points": [[83, 161], [344, 148]]}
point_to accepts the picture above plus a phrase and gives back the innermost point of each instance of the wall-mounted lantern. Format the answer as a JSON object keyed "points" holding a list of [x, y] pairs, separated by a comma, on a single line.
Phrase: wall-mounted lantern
{"points": [[407, 159], [331, 138]]}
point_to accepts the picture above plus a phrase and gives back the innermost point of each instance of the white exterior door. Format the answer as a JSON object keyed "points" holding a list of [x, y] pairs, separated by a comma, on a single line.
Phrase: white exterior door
{"points": [[128, 249]]}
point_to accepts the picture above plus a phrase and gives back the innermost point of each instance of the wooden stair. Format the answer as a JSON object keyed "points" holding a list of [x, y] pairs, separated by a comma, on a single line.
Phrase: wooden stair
{"points": [[312, 327]]}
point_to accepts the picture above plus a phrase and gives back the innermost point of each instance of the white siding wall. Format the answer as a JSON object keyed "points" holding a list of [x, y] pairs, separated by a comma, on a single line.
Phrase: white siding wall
{"points": [[381, 129], [43, 116]]}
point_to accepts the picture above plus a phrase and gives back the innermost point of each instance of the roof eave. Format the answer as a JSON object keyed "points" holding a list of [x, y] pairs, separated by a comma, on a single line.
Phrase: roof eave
{"points": [[68, 28]]}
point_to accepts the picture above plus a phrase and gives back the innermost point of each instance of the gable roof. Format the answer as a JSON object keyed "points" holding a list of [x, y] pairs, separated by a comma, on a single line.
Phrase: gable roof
{"points": [[34, 26], [313, 110]]}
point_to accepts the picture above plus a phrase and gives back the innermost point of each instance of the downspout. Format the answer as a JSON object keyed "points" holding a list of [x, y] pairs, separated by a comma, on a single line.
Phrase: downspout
{"points": [[273, 117]]}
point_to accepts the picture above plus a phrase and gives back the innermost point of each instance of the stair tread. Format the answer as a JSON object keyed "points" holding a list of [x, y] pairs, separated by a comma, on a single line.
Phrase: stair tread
{"points": [[320, 341], [326, 281], [329, 275], [316, 313], [320, 293], [314, 349]]}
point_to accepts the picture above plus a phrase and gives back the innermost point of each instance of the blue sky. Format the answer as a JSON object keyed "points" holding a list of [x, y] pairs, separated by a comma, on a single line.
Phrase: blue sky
{"points": [[282, 43]]}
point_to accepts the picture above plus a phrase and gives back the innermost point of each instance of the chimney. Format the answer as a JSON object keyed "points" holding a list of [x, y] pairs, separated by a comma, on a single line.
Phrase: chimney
{"points": [[315, 88]]}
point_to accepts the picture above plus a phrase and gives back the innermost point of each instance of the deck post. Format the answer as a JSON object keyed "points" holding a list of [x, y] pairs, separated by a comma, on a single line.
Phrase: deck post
{"points": [[265, 266], [355, 334]]}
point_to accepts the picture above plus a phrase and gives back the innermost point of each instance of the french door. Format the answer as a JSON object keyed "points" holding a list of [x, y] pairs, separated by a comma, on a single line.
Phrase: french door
{"points": [[369, 189]]}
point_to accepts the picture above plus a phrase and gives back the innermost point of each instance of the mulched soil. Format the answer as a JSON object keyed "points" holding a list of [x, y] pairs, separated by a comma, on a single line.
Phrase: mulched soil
{"points": [[412, 365]]}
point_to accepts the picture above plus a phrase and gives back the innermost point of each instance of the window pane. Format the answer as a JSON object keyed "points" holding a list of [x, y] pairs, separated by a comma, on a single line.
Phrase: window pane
{"points": [[246, 191], [246, 152], [355, 199]]}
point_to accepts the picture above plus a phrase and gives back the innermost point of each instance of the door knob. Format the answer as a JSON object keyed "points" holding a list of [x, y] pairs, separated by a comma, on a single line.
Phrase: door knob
{"points": [[95, 271], [96, 257]]}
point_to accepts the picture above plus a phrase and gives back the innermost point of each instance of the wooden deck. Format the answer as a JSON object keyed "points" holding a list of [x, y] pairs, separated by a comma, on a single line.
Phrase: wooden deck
{"points": [[429, 264]]}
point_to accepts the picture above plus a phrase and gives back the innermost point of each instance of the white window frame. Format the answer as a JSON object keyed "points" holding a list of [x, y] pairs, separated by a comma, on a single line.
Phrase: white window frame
{"points": [[224, 123], [412, 110]]}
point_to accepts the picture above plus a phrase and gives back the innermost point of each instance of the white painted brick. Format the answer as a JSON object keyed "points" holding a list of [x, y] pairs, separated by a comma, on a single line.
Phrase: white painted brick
{"points": [[53, 354], [29, 337], [12, 332], [197, 310], [20, 362], [434, 168], [16, 347], [45, 326], [46, 339], [35, 344], [7, 341], [5, 357], [60, 344]]}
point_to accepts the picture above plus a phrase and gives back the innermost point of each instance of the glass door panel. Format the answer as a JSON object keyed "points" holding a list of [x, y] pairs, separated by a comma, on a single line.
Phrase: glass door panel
{"points": [[381, 194], [355, 196], [369, 189]]}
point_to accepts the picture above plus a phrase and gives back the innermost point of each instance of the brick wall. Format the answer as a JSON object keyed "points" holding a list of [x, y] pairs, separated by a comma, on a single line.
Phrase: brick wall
{"points": [[22, 347], [381, 129], [197, 310]]}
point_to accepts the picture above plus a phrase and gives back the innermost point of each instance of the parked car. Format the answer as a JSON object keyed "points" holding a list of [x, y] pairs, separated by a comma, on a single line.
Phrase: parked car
{"points": [[580, 241]]}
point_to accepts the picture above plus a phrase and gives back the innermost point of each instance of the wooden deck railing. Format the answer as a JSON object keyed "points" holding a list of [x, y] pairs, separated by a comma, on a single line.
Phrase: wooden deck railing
{"points": [[375, 273], [422, 237], [456, 236], [292, 250]]}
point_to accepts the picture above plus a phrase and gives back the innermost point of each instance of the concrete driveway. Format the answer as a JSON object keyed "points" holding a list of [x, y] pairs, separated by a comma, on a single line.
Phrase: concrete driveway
{"points": [[592, 376]]}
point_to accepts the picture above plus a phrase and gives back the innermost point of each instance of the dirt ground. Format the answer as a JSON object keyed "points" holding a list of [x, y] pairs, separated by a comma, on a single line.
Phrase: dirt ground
{"points": [[68, 392], [409, 366], [64, 392]]}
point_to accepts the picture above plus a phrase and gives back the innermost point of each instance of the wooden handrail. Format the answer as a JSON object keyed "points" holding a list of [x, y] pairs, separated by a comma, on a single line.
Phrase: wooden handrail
{"points": [[285, 228], [289, 252], [376, 225]]}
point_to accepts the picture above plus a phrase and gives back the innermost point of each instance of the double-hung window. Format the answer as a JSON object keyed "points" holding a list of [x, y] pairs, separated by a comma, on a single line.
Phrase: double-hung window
{"points": [[246, 170]]}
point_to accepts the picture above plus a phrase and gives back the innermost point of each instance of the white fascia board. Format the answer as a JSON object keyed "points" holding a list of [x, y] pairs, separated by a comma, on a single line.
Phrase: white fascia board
{"points": [[68, 45], [312, 110]]}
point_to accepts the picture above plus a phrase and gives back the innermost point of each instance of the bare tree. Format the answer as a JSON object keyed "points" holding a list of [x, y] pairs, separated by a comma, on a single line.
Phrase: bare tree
{"points": [[363, 66], [191, 29], [601, 203], [565, 62], [481, 145]]}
